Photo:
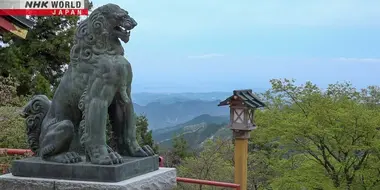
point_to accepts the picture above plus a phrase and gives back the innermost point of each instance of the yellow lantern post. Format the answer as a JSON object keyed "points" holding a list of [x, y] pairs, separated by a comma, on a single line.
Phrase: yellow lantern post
{"points": [[242, 106]]}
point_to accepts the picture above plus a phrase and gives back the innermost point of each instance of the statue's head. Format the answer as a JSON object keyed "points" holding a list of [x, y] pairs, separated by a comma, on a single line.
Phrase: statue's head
{"points": [[119, 22]]}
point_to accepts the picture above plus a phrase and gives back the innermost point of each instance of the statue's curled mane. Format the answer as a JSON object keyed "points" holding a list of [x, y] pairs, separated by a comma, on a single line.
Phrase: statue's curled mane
{"points": [[92, 38]]}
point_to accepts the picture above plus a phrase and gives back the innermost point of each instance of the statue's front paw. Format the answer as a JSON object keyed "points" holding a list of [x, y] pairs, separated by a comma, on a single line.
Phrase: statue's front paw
{"points": [[67, 157], [103, 155], [142, 151]]}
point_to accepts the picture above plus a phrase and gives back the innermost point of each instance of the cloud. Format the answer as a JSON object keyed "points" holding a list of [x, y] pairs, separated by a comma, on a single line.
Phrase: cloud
{"points": [[358, 60], [205, 56], [316, 12]]}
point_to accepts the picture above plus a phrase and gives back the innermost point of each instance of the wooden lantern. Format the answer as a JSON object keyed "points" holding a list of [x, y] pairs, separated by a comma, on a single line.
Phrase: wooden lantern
{"points": [[242, 108]]}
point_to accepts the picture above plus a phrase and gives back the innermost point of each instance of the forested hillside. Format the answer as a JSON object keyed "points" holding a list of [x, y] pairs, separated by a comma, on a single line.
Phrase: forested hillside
{"points": [[195, 131], [163, 115], [169, 132]]}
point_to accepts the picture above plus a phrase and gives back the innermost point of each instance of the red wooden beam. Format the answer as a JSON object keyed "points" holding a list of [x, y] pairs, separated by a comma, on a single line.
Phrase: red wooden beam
{"points": [[6, 24], [211, 183], [11, 151], [13, 28]]}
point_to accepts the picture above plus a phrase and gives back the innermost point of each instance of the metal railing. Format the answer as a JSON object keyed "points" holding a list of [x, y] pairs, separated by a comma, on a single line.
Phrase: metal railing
{"points": [[27, 152], [10, 151], [210, 183], [4, 168]]}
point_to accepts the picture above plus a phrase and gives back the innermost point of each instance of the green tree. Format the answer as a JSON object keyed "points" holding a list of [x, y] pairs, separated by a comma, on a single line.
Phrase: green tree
{"points": [[180, 147], [42, 56], [329, 138], [144, 135], [8, 92], [262, 158], [214, 163], [180, 150], [13, 133]]}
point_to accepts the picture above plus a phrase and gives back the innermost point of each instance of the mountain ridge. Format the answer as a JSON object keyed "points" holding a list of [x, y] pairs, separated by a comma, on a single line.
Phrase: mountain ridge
{"points": [[195, 131], [162, 115], [144, 98]]}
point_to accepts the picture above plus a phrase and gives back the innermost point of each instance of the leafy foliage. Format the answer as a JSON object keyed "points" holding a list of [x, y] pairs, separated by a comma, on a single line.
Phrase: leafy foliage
{"points": [[180, 147], [38, 61], [8, 93], [144, 135], [12, 126], [214, 163], [334, 132], [13, 133], [180, 151], [308, 138]]}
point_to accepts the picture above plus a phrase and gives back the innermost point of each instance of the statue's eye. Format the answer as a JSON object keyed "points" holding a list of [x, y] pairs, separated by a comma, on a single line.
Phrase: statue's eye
{"points": [[120, 16]]}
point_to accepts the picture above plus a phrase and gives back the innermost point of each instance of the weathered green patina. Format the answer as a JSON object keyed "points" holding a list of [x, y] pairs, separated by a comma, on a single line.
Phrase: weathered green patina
{"points": [[97, 83]]}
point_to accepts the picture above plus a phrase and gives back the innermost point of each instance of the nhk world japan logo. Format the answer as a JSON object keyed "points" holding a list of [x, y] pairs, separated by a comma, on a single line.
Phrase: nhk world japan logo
{"points": [[43, 7]]}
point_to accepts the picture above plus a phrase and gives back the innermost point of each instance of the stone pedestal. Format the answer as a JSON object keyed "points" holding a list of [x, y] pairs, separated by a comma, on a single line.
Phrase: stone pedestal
{"points": [[83, 171], [161, 179]]}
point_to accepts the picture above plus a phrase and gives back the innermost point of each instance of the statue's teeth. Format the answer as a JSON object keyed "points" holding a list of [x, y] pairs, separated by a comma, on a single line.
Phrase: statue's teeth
{"points": [[122, 28]]}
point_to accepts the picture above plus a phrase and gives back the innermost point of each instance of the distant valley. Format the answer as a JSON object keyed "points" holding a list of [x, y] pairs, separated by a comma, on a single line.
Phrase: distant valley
{"points": [[195, 131], [170, 110], [165, 115], [196, 116]]}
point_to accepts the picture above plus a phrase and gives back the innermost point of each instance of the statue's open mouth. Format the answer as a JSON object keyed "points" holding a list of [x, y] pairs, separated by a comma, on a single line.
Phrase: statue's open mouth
{"points": [[122, 30]]}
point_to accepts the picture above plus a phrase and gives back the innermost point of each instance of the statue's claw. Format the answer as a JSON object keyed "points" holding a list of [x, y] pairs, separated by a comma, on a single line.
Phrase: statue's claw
{"points": [[144, 151], [116, 158], [103, 155], [139, 153], [72, 157], [148, 150], [67, 157]]}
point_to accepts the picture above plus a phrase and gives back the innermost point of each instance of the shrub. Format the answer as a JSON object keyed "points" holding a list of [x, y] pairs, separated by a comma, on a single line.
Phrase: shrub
{"points": [[13, 133]]}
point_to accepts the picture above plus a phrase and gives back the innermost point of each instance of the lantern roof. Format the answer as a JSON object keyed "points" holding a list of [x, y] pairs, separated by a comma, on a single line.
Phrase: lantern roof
{"points": [[246, 96]]}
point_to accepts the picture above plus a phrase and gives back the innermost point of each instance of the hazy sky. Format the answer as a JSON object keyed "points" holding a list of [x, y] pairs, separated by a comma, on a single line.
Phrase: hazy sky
{"points": [[221, 45]]}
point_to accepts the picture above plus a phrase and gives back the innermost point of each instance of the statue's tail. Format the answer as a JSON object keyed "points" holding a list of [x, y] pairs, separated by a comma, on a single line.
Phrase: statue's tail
{"points": [[34, 112]]}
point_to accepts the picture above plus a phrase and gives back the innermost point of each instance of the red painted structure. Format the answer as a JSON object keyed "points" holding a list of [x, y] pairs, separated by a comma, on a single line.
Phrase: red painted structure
{"points": [[26, 152], [17, 25], [10, 151], [161, 161], [210, 183]]}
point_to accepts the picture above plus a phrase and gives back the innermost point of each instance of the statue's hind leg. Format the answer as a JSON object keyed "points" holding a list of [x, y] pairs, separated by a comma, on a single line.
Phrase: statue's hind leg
{"points": [[56, 143]]}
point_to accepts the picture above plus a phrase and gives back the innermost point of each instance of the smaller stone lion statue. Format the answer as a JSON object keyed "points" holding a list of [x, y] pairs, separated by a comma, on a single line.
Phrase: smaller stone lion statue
{"points": [[96, 85]]}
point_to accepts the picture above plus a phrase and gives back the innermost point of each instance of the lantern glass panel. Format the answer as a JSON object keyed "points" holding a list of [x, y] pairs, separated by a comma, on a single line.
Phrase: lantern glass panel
{"points": [[238, 115]]}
